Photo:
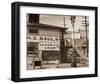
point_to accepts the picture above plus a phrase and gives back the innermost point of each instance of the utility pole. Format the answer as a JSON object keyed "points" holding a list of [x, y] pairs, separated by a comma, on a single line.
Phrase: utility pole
{"points": [[86, 24], [62, 44], [72, 18]]}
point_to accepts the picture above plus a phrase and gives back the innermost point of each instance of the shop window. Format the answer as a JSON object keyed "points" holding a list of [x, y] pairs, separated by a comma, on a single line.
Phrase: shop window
{"points": [[32, 48], [50, 55]]}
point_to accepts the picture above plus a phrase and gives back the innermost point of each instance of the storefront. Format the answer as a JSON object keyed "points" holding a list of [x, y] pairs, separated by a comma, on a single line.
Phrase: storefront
{"points": [[43, 43]]}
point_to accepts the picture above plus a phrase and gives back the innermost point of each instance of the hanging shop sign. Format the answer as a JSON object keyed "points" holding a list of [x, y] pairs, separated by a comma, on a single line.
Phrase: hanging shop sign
{"points": [[76, 35], [45, 42]]}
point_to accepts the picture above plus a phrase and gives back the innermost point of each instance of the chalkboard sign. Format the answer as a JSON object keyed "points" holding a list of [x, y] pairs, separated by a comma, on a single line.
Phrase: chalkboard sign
{"points": [[37, 63]]}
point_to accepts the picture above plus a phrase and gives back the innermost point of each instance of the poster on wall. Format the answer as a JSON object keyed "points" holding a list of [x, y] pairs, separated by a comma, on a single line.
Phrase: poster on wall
{"points": [[51, 41]]}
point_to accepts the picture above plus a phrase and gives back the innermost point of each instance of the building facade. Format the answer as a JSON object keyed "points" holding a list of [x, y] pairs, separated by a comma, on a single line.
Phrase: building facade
{"points": [[43, 44]]}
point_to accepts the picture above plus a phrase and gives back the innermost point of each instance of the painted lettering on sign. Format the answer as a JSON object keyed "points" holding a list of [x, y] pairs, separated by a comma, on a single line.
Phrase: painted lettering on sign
{"points": [[45, 42]]}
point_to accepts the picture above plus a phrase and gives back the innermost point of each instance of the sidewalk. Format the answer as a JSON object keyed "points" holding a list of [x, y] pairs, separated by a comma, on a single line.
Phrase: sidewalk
{"points": [[63, 65]]}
